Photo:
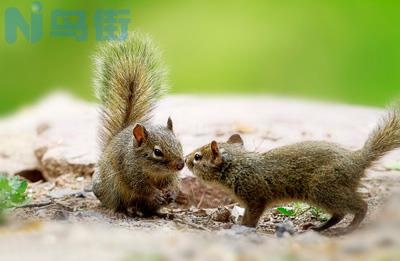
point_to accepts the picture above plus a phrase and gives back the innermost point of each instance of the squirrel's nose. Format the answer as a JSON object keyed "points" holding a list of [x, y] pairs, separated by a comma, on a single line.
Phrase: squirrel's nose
{"points": [[180, 164]]}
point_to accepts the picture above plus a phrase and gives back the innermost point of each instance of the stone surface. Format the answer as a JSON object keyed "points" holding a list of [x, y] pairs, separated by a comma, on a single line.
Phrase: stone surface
{"points": [[55, 136], [17, 143]]}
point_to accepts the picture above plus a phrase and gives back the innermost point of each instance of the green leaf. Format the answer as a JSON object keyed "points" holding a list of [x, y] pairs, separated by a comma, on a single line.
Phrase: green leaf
{"points": [[319, 214], [286, 212], [14, 182], [12, 192], [4, 184], [22, 187], [300, 207], [324, 217]]}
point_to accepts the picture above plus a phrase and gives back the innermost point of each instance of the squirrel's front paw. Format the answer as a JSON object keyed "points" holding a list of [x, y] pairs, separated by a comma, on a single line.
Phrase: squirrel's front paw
{"points": [[169, 196], [159, 198]]}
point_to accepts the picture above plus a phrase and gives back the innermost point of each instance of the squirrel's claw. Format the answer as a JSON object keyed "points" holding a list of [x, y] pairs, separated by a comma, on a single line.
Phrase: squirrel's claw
{"points": [[159, 198]]}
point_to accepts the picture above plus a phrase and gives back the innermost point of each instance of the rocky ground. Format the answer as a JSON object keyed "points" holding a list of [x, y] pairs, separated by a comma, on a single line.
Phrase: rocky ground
{"points": [[53, 144]]}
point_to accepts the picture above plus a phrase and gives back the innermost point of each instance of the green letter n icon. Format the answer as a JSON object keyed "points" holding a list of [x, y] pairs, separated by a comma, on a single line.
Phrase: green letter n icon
{"points": [[15, 20]]}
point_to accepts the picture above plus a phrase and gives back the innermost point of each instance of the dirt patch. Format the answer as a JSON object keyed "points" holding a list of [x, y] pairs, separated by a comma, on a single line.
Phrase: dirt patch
{"points": [[69, 198]]}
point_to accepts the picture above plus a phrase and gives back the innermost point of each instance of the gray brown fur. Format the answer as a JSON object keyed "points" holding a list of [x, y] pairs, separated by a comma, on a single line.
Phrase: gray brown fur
{"points": [[129, 79], [322, 174]]}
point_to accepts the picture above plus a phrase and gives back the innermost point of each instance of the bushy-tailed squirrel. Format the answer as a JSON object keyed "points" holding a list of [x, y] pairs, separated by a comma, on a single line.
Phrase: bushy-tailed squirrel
{"points": [[320, 173], [139, 163]]}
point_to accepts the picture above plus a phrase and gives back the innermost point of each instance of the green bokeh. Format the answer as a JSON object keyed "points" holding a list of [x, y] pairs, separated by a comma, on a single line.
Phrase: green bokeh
{"points": [[348, 51]]}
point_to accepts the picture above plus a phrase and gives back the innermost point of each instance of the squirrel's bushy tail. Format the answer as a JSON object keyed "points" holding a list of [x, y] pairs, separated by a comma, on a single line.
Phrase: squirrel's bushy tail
{"points": [[129, 78], [385, 137]]}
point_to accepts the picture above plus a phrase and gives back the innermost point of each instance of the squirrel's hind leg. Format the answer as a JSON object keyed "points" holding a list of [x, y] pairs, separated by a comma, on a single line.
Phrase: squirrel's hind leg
{"points": [[359, 208]]}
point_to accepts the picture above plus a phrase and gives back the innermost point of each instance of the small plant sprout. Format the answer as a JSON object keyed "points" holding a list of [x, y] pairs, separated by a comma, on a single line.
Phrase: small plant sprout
{"points": [[300, 208], [12, 193], [318, 214]]}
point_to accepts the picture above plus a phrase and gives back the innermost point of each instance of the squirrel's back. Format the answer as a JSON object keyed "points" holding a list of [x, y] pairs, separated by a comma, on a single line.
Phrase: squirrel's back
{"points": [[129, 78]]}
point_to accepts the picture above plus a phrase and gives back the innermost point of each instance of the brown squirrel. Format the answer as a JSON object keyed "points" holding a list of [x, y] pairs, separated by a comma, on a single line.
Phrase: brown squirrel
{"points": [[320, 173], [139, 162]]}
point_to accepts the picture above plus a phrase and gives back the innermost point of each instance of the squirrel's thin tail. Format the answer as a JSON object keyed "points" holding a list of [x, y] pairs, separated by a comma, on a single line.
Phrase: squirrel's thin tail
{"points": [[129, 78], [385, 137]]}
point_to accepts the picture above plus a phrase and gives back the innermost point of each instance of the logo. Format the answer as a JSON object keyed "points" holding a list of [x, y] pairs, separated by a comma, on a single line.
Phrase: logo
{"points": [[109, 24]]}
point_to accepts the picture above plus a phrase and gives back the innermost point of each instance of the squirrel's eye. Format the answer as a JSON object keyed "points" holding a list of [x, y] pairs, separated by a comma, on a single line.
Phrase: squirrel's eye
{"points": [[197, 157], [158, 153]]}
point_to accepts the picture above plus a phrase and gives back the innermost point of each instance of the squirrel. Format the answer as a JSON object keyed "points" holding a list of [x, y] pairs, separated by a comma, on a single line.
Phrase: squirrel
{"points": [[320, 173], [139, 163]]}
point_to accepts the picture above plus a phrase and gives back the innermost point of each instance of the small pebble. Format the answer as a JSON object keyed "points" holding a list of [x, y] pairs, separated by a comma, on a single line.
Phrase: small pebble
{"points": [[88, 188], [65, 192], [237, 213], [386, 242], [355, 248], [281, 229], [241, 230], [222, 215], [61, 215], [200, 213]]}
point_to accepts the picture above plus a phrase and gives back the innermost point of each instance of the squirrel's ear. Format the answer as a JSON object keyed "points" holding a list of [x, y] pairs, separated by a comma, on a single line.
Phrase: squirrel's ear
{"points": [[139, 132], [170, 126], [235, 139], [215, 152]]}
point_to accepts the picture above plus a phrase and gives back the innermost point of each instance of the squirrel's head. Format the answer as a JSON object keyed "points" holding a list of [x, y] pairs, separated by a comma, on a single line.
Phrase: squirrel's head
{"points": [[209, 161], [160, 150]]}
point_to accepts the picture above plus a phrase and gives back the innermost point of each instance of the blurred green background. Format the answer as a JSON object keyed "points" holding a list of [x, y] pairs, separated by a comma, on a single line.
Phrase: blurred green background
{"points": [[346, 51]]}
